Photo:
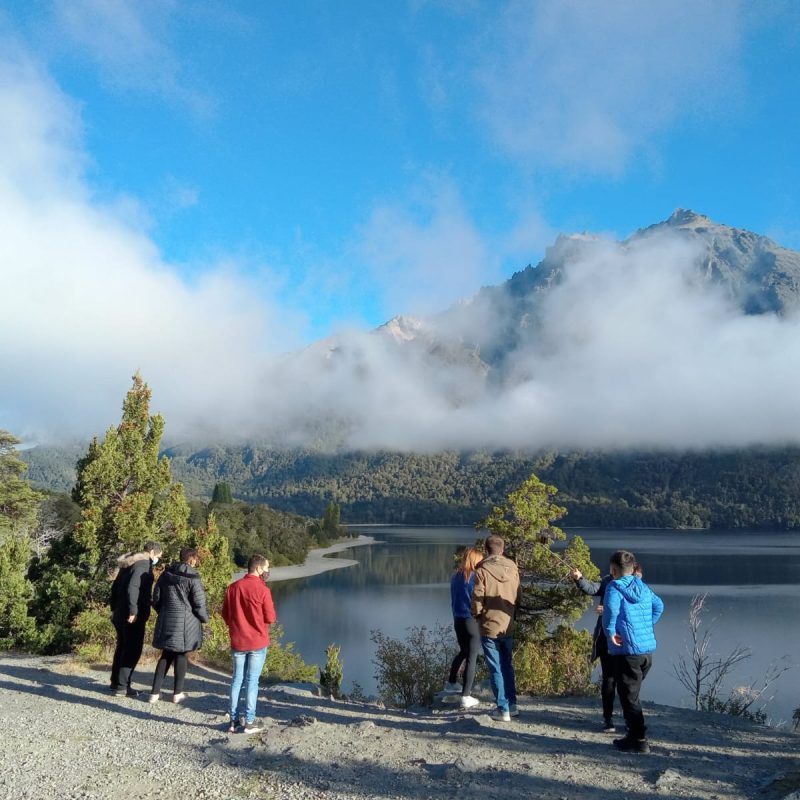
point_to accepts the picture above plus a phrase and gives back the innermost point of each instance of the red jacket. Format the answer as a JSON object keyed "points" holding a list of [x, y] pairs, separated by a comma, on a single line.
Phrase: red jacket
{"points": [[248, 612]]}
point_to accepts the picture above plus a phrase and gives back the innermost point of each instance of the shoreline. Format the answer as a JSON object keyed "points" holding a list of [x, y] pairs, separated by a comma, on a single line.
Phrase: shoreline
{"points": [[317, 562]]}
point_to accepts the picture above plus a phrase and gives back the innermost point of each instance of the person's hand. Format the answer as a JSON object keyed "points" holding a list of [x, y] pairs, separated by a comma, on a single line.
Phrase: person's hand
{"points": [[617, 639], [575, 574], [132, 619], [599, 609]]}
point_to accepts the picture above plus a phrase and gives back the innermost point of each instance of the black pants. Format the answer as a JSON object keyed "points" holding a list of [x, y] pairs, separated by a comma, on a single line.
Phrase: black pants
{"points": [[608, 685], [629, 672], [167, 660], [469, 642], [130, 640]]}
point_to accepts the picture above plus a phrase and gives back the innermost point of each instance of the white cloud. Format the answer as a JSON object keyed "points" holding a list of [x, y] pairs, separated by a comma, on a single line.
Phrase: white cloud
{"points": [[586, 86], [128, 41], [89, 298], [428, 255]]}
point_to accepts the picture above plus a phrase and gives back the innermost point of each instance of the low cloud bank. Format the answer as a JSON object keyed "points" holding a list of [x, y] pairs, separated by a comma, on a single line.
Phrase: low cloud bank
{"points": [[628, 349]]}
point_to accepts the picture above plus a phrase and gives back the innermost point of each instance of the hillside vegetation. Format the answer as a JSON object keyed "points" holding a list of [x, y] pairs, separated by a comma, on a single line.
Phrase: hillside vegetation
{"points": [[747, 488]]}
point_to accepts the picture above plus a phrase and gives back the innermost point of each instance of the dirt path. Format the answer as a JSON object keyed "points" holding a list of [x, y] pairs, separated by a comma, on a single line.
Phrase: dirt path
{"points": [[62, 736]]}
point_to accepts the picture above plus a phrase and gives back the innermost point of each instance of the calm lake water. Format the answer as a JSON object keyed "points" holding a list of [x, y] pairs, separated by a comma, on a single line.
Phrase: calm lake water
{"points": [[752, 581]]}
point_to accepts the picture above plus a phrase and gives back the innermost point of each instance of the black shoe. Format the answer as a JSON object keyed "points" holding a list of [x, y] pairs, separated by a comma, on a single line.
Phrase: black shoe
{"points": [[628, 744], [131, 692], [608, 725]]}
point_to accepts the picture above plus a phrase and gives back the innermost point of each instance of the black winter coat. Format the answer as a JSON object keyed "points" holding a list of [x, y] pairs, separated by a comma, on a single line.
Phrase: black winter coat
{"points": [[597, 589], [130, 592], [180, 600]]}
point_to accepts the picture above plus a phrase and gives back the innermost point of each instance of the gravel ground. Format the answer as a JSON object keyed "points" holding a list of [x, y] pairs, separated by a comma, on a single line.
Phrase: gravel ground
{"points": [[63, 736]]}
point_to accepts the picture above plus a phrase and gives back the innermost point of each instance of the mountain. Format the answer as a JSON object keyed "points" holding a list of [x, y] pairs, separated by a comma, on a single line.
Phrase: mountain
{"points": [[636, 375]]}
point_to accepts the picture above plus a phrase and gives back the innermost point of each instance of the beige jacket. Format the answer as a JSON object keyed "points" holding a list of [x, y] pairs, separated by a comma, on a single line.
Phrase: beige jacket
{"points": [[496, 596]]}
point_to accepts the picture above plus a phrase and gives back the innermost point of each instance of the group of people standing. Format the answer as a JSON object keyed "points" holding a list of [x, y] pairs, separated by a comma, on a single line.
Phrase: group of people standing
{"points": [[485, 592], [179, 599]]}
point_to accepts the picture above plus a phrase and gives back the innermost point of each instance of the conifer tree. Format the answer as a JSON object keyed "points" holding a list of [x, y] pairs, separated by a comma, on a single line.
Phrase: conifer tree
{"points": [[127, 497], [18, 509], [222, 493], [550, 656], [216, 567], [525, 520]]}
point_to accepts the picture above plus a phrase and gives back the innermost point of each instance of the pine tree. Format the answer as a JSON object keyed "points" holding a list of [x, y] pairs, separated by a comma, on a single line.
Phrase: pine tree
{"points": [[222, 493], [127, 497], [550, 656], [18, 509], [216, 567], [331, 521]]}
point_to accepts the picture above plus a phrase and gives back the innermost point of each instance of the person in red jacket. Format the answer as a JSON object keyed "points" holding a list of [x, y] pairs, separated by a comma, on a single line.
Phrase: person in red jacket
{"points": [[248, 612]]}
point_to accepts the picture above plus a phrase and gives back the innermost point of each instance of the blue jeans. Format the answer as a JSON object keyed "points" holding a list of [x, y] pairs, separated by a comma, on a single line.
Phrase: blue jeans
{"points": [[247, 666], [497, 653]]}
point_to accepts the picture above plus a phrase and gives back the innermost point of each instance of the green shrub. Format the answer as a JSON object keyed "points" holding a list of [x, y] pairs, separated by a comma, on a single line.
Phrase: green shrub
{"points": [[557, 665], [410, 672], [330, 677], [282, 664], [94, 634]]}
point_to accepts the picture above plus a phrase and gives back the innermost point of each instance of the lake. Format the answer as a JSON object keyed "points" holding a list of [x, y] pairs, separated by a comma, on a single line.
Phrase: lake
{"points": [[752, 581]]}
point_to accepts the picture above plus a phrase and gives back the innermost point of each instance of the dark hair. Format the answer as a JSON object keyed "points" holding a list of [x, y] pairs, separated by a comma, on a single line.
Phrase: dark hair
{"points": [[637, 567], [625, 560], [255, 562], [153, 547], [187, 553], [494, 544]]}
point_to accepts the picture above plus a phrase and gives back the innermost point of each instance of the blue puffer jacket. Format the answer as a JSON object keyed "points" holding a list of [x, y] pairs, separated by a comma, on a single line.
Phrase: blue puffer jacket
{"points": [[631, 609]]}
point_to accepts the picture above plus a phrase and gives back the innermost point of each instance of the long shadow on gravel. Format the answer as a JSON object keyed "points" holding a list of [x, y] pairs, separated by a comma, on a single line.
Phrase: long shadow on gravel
{"points": [[417, 778], [49, 684]]}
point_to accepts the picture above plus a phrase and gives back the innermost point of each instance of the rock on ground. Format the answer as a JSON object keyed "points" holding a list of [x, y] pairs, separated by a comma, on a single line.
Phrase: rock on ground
{"points": [[63, 736]]}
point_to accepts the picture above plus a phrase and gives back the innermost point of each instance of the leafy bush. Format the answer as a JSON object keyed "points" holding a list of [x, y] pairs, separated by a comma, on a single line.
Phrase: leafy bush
{"points": [[410, 672], [94, 634], [330, 677], [282, 664], [558, 665]]}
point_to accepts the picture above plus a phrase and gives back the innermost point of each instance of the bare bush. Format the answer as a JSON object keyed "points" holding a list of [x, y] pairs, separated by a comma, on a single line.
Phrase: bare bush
{"points": [[704, 673]]}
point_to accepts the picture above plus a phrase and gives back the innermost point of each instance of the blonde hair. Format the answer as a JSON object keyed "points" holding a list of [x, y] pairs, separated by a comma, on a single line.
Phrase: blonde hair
{"points": [[472, 557]]}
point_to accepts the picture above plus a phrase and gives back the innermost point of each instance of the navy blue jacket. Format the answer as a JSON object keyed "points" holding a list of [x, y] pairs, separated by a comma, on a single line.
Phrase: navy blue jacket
{"points": [[631, 609], [596, 589], [461, 595]]}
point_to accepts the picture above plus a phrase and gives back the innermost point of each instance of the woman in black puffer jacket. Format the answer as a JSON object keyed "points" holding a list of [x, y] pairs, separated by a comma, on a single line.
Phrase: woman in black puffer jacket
{"points": [[180, 600]]}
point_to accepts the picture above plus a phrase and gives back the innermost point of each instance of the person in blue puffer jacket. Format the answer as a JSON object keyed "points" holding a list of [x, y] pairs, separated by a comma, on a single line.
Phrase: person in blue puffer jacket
{"points": [[630, 612]]}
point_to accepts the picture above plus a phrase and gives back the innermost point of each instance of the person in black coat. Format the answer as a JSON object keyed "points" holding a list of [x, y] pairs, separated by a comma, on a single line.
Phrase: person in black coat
{"points": [[130, 610], [608, 684], [180, 600]]}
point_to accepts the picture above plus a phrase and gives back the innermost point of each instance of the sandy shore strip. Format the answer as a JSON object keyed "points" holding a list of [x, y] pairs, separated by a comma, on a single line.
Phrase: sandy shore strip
{"points": [[317, 561]]}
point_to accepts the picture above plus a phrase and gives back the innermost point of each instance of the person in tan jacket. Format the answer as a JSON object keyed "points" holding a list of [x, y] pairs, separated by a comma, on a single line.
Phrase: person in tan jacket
{"points": [[494, 604]]}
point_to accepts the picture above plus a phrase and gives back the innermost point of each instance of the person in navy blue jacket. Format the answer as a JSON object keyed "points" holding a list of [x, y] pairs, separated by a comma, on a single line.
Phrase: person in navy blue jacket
{"points": [[466, 627], [630, 611]]}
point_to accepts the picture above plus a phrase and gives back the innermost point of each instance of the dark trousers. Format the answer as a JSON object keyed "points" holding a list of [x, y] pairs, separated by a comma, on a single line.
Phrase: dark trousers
{"points": [[608, 685], [469, 642], [629, 672], [130, 641], [169, 659]]}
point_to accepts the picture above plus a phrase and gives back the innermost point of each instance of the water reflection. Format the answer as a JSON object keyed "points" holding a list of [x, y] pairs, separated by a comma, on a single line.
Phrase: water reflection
{"points": [[403, 580]]}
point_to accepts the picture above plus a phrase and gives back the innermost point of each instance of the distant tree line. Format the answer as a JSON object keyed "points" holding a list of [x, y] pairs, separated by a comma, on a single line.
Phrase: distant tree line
{"points": [[744, 488]]}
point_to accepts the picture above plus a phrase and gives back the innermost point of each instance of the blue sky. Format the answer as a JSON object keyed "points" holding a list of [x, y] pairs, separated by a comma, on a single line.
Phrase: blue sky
{"points": [[275, 172], [290, 137]]}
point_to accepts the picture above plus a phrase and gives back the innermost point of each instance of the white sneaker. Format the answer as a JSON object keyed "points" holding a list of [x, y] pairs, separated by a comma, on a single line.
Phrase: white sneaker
{"points": [[179, 698], [154, 698], [500, 716], [513, 710], [468, 701], [453, 687]]}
